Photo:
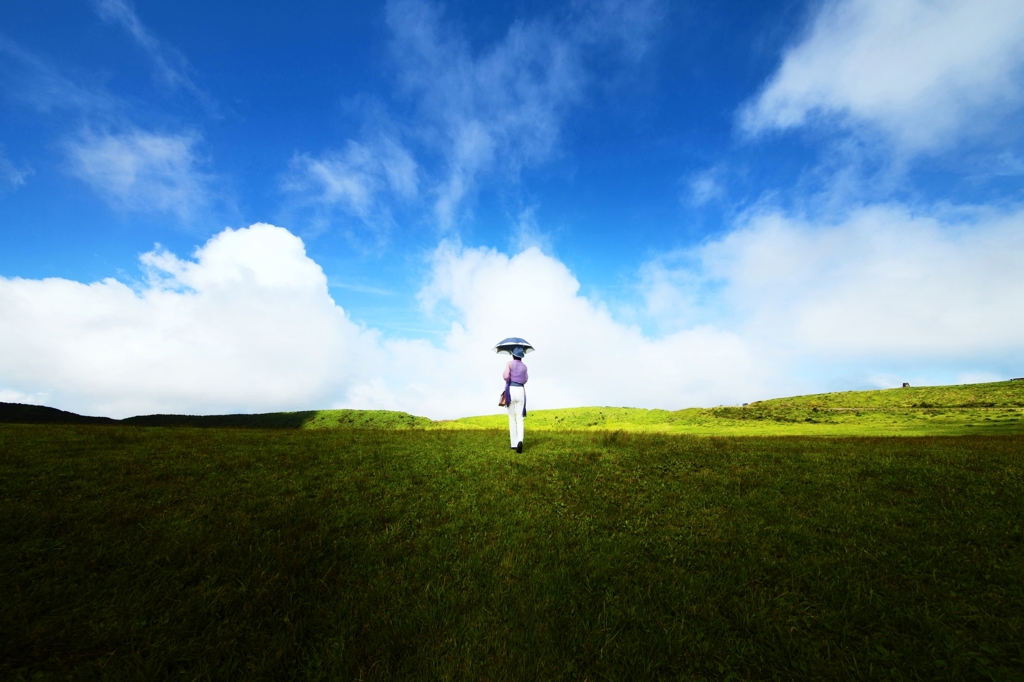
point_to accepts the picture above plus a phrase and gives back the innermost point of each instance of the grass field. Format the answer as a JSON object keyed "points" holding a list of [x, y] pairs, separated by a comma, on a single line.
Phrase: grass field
{"points": [[994, 408], [133, 553]]}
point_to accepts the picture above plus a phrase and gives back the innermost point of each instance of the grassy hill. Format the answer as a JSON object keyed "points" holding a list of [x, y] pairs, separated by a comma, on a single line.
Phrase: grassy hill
{"points": [[308, 419], [993, 408], [16, 413]]}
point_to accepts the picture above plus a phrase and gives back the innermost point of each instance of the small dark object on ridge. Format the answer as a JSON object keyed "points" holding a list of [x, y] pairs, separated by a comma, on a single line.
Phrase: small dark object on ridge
{"points": [[745, 404], [906, 385], [1017, 379]]}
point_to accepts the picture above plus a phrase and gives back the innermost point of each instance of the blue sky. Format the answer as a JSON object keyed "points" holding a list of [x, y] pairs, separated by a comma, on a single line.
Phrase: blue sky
{"points": [[737, 200]]}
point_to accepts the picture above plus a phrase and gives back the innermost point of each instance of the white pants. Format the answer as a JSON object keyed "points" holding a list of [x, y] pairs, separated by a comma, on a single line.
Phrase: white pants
{"points": [[515, 413]]}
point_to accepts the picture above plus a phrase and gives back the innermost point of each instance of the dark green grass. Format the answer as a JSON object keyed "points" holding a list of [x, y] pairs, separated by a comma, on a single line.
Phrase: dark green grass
{"points": [[308, 419], [16, 413], [151, 553]]}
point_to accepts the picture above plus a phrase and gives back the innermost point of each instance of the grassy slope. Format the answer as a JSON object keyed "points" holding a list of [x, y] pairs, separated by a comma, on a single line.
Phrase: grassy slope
{"points": [[15, 413], [180, 553], [377, 419], [995, 408], [310, 419]]}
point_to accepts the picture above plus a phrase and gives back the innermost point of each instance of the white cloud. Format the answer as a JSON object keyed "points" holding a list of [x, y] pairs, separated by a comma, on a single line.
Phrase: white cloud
{"points": [[141, 171], [10, 396], [922, 72], [362, 180], [502, 108], [884, 284], [471, 113], [584, 357], [248, 325], [526, 233]]}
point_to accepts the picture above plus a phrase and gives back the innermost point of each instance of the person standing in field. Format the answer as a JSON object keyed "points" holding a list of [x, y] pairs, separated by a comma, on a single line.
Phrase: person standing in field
{"points": [[516, 376]]}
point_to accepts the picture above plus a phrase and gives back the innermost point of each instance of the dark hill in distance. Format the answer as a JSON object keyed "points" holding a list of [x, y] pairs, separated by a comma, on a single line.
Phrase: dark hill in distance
{"points": [[307, 419], [16, 413], [271, 420]]}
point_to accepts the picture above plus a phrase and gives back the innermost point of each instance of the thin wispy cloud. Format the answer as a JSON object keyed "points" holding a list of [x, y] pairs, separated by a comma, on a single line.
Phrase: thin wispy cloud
{"points": [[11, 175], [362, 181], [629, 27], [33, 81], [704, 187], [526, 233], [170, 64], [497, 110], [494, 111], [925, 74], [131, 168], [469, 114], [360, 288], [138, 170]]}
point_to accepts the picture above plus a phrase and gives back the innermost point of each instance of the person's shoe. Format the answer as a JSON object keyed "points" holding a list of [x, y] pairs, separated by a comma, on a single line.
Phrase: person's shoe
{"points": [[519, 448]]}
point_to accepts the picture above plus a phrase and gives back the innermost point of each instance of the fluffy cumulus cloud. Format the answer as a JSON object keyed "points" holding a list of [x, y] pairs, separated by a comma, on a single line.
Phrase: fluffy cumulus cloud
{"points": [[885, 286], [588, 357], [247, 324], [141, 171], [883, 282], [922, 72]]}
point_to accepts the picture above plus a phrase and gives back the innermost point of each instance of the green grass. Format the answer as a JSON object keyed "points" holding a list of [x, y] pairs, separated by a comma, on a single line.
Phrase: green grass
{"points": [[131, 553], [985, 409], [995, 408]]}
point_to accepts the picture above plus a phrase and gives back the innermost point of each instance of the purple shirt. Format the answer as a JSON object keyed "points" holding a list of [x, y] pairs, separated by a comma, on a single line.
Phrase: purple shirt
{"points": [[515, 371]]}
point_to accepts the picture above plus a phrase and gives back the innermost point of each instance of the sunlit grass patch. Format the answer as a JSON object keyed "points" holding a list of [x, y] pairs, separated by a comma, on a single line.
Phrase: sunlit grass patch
{"points": [[995, 408]]}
